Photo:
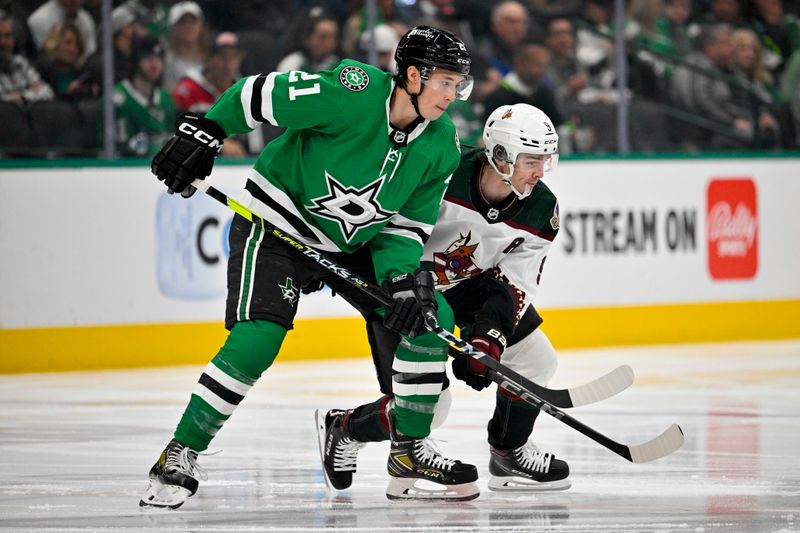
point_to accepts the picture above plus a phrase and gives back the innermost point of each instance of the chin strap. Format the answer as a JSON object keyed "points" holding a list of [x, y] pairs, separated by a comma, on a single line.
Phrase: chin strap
{"points": [[507, 179], [414, 97], [399, 137]]}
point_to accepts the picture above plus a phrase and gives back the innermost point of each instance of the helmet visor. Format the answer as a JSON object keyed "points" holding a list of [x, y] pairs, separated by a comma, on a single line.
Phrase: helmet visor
{"points": [[532, 162], [447, 82]]}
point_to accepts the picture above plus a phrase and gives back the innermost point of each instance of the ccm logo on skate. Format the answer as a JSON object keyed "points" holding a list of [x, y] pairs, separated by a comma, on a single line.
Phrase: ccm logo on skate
{"points": [[192, 131], [732, 228]]}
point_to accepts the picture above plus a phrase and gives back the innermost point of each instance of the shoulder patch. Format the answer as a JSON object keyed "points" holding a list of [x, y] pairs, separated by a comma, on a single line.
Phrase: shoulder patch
{"points": [[354, 78], [555, 220]]}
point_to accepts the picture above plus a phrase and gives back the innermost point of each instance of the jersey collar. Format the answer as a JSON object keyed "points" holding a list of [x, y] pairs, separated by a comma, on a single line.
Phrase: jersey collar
{"points": [[505, 210]]}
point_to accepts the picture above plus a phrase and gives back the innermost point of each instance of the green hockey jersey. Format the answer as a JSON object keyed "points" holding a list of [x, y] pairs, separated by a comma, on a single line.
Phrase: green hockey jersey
{"points": [[511, 240], [143, 124], [334, 179]]}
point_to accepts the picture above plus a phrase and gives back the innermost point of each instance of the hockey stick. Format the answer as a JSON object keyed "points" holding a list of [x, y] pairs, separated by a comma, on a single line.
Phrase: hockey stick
{"points": [[604, 387], [666, 443]]}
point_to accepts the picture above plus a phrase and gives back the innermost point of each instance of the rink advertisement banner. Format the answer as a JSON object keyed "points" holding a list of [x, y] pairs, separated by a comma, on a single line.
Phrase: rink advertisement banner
{"points": [[673, 232], [105, 246]]}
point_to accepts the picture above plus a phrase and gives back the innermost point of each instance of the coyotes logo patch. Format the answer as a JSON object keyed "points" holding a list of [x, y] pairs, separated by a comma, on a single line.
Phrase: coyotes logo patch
{"points": [[455, 263]]}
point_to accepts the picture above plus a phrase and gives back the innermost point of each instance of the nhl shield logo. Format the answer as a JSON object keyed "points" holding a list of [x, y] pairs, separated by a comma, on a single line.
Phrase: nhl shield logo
{"points": [[399, 137], [354, 78]]}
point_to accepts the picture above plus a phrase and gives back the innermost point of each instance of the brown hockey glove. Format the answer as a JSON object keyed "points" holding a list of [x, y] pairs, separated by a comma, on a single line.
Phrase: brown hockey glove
{"points": [[491, 341]]}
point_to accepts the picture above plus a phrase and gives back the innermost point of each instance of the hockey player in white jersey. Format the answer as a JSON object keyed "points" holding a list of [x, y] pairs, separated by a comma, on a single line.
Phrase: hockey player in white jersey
{"points": [[487, 251]]}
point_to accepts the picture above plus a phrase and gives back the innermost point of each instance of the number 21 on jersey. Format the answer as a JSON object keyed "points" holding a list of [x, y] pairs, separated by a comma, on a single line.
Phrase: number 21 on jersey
{"points": [[294, 77]]}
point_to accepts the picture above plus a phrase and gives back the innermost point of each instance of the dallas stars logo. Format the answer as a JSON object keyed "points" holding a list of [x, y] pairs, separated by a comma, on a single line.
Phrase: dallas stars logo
{"points": [[351, 207], [289, 291], [354, 78]]}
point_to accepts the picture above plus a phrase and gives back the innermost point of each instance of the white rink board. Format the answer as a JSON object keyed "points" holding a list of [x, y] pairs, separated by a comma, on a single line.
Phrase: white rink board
{"points": [[602, 277], [87, 246]]}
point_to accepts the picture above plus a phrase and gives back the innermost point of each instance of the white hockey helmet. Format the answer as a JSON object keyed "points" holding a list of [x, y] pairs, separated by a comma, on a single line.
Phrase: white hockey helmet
{"points": [[519, 129]]}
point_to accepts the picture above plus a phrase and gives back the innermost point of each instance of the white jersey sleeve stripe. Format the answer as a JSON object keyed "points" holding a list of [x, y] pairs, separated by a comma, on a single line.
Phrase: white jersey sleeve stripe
{"points": [[266, 99], [247, 97]]}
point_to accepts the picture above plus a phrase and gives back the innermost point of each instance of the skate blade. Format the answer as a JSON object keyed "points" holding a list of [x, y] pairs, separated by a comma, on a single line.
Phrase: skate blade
{"points": [[521, 484], [422, 489], [319, 418], [163, 496]]}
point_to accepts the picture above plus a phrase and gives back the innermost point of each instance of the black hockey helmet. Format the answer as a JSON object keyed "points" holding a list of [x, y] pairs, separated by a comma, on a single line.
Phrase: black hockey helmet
{"points": [[424, 46]]}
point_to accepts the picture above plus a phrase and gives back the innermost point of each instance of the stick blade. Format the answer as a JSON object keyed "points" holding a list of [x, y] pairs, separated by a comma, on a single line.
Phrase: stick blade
{"points": [[668, 442], [603, 387]]}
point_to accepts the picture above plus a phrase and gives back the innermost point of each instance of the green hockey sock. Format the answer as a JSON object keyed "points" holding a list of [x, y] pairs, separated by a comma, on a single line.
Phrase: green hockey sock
{"points": [[418, 374], [251, 347]]}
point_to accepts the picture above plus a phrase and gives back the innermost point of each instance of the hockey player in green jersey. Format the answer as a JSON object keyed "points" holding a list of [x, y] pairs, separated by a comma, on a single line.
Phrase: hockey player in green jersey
{"points": [[487, 250], [359, 173]]}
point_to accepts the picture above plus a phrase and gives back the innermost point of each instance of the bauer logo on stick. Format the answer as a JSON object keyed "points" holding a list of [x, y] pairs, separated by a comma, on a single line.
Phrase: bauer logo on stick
{"points": [[354, 78]]}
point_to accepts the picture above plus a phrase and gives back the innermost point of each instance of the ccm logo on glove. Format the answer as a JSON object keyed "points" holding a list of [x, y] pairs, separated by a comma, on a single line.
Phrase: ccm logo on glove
{"points": [[191, 130]]}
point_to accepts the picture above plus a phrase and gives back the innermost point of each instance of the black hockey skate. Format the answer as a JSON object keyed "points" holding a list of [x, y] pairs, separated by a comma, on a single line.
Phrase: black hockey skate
{"points": [[337, 449], [173, 478], [412, 460], [527, 469]]}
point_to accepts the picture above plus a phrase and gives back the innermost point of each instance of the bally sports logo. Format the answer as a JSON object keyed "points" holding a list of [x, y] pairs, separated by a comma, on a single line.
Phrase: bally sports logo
{"points": [[732, 229]]}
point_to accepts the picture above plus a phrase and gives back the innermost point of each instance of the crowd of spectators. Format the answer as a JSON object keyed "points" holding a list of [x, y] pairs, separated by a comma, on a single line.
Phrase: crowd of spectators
{"points": [[702, 74]]}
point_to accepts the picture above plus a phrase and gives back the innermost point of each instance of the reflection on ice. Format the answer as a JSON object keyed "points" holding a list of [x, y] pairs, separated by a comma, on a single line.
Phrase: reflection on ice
{"points": [[76, 456]]}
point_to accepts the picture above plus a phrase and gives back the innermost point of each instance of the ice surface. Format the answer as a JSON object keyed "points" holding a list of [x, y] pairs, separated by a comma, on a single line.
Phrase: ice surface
{"points": [[75, 449]]}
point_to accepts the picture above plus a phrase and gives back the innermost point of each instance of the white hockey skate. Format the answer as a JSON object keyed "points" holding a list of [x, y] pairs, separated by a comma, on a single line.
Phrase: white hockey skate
{"points": [[527, 469]]}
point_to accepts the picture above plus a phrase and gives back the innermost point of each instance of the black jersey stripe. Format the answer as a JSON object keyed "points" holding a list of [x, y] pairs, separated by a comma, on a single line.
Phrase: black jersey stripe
{"points": [[418, 379], [300, 227], [255, 99], [220, 390], [417, 231]]}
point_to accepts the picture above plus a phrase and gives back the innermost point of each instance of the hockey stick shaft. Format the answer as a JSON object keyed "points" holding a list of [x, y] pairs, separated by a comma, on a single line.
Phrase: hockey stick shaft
{"points": [[557, 398], [664, 444], [598, 389]]}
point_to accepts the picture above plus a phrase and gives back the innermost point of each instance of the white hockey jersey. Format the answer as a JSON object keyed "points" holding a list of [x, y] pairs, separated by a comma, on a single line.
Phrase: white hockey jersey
{"points": [[510, 241]]}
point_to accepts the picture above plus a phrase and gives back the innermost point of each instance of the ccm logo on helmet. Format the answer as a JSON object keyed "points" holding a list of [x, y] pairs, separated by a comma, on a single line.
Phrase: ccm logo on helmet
{"points": [[192, 131]]}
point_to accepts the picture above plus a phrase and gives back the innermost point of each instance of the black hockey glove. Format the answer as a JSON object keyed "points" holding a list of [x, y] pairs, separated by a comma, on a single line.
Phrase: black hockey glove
{"points": [[414, 298], [189, 154], [491, 341], [313, 286]]}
